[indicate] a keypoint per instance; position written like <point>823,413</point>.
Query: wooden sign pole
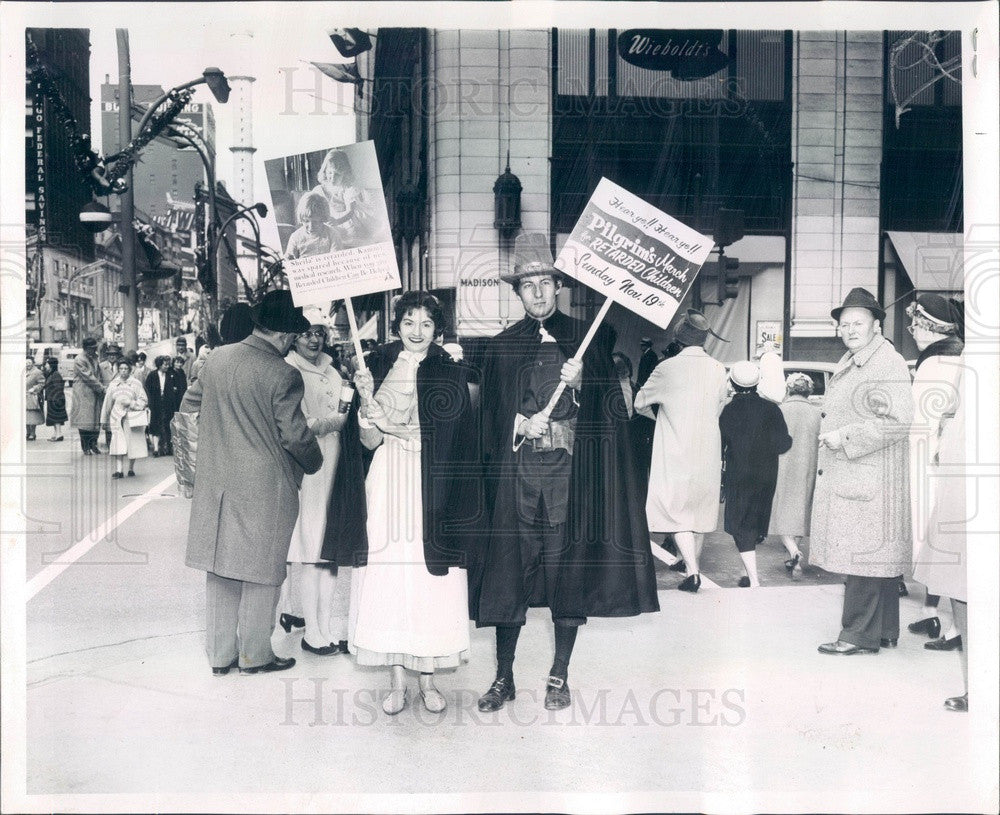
<point>353,322</point>
<point>579,354</point>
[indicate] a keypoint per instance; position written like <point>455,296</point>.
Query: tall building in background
<point>62,300</point>
<point>164,172</point>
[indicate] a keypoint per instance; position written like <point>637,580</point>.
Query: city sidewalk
<point>721,692</point>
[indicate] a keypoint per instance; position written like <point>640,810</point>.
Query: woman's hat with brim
<point>745,374</point>
<point>694,329</point>
<point>532,256</point>
<point>277,312</point>
<point>860,298</point>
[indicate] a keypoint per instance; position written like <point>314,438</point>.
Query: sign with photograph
<point>633,253</point>
<point>332,223</point>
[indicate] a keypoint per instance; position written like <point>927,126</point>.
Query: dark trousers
<point>541,550</point>
<point>88,439</point>
<point>871,610</point>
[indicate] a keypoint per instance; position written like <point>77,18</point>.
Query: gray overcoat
<point>253,448</point>
<point>861,503</point>
<point>88,393</point>
<point>793,494</point>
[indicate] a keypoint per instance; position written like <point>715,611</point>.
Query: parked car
<point>818,372</point>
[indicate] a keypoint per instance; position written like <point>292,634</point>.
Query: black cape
<point>450,469</point>
<point>754,434</point>
<point>607,567</point>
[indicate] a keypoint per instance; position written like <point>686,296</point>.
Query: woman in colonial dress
<point>409,604</point>
<point>124,413</point>
<point>54,394</point>
<point>325,591</point>
<point>34,381</point>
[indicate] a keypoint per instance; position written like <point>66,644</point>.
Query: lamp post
<point>243,212</point>
<point>213,77</point>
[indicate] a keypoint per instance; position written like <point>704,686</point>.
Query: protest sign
<point>633,253</point>
<point>333,226</point>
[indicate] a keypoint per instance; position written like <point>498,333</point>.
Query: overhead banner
<point>332,223</point>
<point>633,253</point>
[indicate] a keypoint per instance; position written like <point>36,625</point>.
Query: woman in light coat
<point>124,403</point>
<point>325,591</point>
<point>686,473</point>
<point>34,381</point>
<point>861,505</point>
<point>793,495</point>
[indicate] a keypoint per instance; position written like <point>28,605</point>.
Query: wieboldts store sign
<point>685,53</point>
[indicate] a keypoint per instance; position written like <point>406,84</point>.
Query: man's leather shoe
<point>941,644</point>
<point>501,691</point>
<point>556,693</point>
<point>844,648</point>
<point>931,626</point>
<point>691,583</point>
<point>323,650</point>
<point>888,642</point>
<point>276,664</point>
<point>225,669</point>
<point>959,704</point>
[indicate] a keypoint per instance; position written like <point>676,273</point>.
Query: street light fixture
<point>246,212</point>
<point>213,77</point>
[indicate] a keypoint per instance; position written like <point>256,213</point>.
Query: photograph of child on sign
<point>332,223</point>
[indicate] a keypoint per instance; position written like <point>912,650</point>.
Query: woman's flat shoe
<point>678,566</point>
<point>931,626</point>
<point>691,583</point>
<point>394,702</point>
<point>322,651</point>
<point>942,644</point>
<point>744,582</point>
<point>117,475</point>
<point>290,621</point>
<point>130,473</point>
<point>57,438</point>
<point>433,701</point>
<point>794,566</point>
<point>959,704</point>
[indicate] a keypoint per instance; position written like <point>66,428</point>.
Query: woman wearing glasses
<point>324,591</point>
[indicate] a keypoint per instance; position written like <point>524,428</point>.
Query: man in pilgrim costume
<point>567,530</point>
<point>861,503</point>
<point>253,449</point>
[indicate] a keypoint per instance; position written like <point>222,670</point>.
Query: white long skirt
<point>400,613</point>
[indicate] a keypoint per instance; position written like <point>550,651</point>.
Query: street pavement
<point>721,699</point>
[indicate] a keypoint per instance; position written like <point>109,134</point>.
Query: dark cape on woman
<point>450,469</point>
<point>54,394</point>
<point>754,434</point>
<point>606,569</point>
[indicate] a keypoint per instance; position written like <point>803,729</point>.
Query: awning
<point>934,261</point>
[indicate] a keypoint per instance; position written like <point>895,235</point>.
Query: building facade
<point>795,134</point>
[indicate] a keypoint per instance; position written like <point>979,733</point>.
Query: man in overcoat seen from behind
<point>253,449</point>
<point>567,530</point>
<point>861,503</point>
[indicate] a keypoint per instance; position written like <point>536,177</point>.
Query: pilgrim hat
<point>694,329</point>
<point>860,298</point>
<point>277,312</point>
<point>532,256</point>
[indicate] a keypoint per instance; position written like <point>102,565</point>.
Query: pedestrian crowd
<point>379,505</point>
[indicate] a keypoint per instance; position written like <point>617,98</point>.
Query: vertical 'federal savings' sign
<point>633,253</point>
<point>38,150</point>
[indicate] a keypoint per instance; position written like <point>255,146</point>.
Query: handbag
<point>137,418</point>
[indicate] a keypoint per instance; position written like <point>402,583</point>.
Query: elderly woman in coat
<point>34,381</point>
<point>685,479</point>
<point>793,494</point>
<point>861,505</point>
<point>88,393</point>
<point>124,414</point>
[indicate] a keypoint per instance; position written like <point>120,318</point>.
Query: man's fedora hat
<point>860,298</point>
<point>277,312</point>
<point>531,256</point>
<point>694,328</point>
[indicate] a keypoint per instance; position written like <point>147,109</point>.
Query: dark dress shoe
<point>959,704</point>
<point>844,648</point>
<point>744,582</point>
<point>941,644</point>
<point>130,473</point>
<point>691,583</point>
<point>276,664</point>
<point>556,693</point>
<point>931,626</point>
<point>344,647</point>
<point>117,475</point>
<point>323,650</point>
<point>290,621</point>
<point>500,692</point>
<point>679,566</point>
<point>888,642</point>
<point>225,669</point>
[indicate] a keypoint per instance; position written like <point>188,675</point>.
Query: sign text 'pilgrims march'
<point>633,253</point>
